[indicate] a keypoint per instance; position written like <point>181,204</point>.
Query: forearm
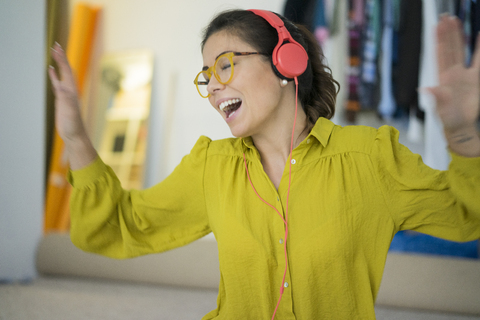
<point>80,152</point>
<point>465,142</point>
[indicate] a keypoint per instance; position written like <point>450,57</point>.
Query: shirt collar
<point>248,142</point>
<point>321,131</point>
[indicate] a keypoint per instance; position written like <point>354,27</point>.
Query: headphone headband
<point>289,58</point>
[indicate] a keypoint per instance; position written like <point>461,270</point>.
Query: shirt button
<point>285,284</point>
<point>293,161</point>
<point>278,199</point>
<point>308,140</point>
<point>280,241</point>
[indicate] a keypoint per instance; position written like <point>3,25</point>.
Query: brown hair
<point>317,89</point>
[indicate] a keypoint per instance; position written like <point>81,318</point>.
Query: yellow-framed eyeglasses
<point>222,69</point>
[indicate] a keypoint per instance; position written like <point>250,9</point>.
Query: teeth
<point>225,104</point>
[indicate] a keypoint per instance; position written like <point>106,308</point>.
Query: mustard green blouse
<point>352,189</point>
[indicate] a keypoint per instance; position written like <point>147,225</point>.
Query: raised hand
<point>458,92</point>
<point>68,120</point>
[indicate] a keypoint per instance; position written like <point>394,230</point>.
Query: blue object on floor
<point>414,242</point>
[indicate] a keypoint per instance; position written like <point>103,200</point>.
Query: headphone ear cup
<point>277,73</point>
<point>292,60</point>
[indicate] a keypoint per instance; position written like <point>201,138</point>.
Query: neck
<point>274,145</point>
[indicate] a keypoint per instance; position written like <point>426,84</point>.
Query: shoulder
<point>359,138</point>
<point>228,146</point>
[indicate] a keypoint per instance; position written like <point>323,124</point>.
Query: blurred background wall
<point>22,134</point>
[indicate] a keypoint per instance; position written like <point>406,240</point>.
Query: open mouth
<point>230,106</point>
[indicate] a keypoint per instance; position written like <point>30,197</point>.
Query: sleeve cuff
<point>87,175</point>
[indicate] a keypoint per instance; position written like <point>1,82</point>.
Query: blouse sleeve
<point>117,223</point>
<point>444,204</point>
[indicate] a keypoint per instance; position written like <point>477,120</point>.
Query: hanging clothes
<point>406,73</point>
<point>436,153</point>
<point>369,88</point>
<point>446,6</point>
<point>467,27</point>
<point>320,28</point>
<point>355,22</point>
<point>386,107</point>
<point>475,24</point>
<point>333,14</point>
<point>300,11</point>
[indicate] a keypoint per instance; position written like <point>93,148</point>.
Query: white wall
<point>22,118</point>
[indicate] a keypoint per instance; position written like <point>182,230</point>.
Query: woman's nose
<point>214,85</point>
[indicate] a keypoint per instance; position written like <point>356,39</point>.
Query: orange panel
<point>78,52</point>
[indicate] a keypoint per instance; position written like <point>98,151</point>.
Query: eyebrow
<point>206,67</point>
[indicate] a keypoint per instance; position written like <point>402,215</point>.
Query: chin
<point>239,133</point>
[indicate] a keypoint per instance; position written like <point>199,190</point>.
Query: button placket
<point>287,299</point>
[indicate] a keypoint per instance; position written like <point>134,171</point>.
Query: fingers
<point>441,95</point>
<point>450,43</point>
<point>65,72</point>
<point>53,76</point>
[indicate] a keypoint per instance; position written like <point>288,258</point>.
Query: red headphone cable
<point>285,221</point>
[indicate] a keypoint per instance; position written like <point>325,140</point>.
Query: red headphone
<point>289,58</point>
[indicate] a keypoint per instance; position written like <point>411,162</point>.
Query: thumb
<point>441,95</point>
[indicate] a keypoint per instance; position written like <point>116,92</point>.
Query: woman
<point>298,205</point>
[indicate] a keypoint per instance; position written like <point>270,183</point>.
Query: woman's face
<point>249,103</point>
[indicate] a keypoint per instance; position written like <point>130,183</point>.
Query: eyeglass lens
<point>224,71</point>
